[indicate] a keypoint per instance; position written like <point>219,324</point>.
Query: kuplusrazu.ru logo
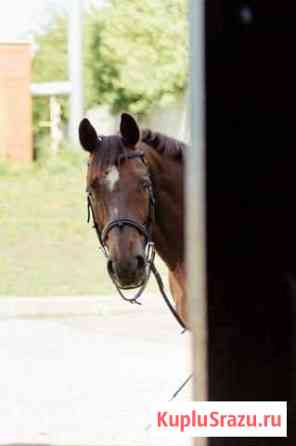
<point>223,419</point>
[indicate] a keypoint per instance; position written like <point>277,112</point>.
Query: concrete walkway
<point>85,371</point>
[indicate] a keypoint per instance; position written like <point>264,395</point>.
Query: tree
<point>145,42</point>
<point>136,55</point>
<point>49,64</point>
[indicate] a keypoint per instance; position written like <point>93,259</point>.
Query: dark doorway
<point>251,199</point>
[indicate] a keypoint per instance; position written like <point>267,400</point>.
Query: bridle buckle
<point>150,252</point>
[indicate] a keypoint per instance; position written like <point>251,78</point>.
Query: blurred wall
<point>172,121</point>
<point>15,101</point>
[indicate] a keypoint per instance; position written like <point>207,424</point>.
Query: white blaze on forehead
<point>112,177</point>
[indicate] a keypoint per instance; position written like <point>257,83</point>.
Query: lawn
<point>47,248</point>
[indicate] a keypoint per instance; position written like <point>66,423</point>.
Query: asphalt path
<point>92,379</point>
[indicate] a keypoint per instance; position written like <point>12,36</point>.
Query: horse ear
<point>87,135</point>
<point>129,129</point>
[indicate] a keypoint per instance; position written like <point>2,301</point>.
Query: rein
<point>144,230</point>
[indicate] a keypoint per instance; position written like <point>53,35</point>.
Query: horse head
<point>121,198</point>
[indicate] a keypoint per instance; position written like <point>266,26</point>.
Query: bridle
<point>146,231</point>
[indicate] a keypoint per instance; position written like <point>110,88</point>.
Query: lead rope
<point>148,427</point>
<point>165,297</point>
<point>179,320</point>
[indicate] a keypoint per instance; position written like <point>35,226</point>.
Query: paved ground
<point>88,380</point>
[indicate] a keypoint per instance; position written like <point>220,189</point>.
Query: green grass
<point>46,247</point>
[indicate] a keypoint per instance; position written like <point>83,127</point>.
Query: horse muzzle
<point>128,273</point>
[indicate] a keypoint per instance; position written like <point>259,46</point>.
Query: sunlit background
<point>21,20</point>
<point>133,57</point>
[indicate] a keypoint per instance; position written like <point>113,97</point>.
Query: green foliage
<point>49,64</point>
<point>136,56</point>
<point>145,41</point>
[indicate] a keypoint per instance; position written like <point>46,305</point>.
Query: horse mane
<point>164,145</point>
<point>111,149</point>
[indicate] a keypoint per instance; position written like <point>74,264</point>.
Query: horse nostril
<point>140,262</point>
<point>110,267</point>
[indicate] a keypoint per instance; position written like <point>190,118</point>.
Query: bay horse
<point>132,175</point>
